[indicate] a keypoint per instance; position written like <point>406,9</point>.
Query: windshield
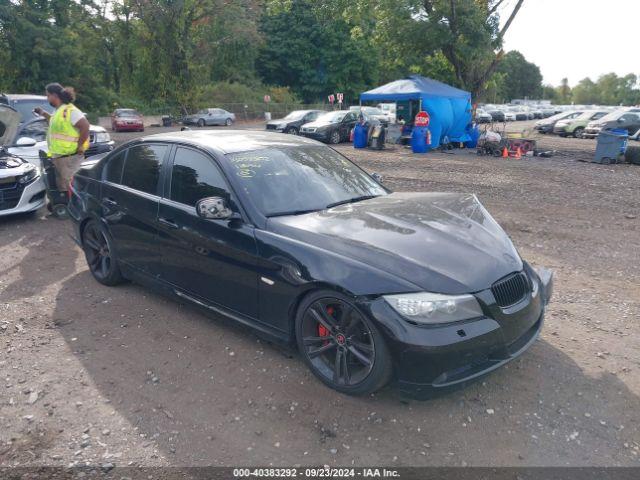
<point>332,117</point>
<point>290,180</point>
<point>25,108</point>
<point>372,111</point>
<point>127,113</point>
<point>612,116</point>
<point>296,115</point>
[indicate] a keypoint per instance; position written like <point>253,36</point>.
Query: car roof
<point>23,96</point>
<point>231,141</point>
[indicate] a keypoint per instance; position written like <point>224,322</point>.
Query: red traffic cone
<point>518,153</point>
<point>505,153</point>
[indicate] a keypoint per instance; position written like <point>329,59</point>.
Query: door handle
<point>168,223</point>
<point>109,202</point>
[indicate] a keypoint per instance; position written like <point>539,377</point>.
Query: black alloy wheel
<point>228,122</point>
<point>100,256</point>
<point>342,347</point>
<point>335,137</point>
<point>292,131</point>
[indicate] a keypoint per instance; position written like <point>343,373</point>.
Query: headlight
<point>31,172</point>
<point>103,137</point>
<point>431,308</point>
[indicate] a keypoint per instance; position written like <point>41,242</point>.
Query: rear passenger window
<point>194,177</point>
<point>142,168</point>
<point>113,168</point>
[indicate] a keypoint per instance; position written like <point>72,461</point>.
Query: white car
<point>22,188</point>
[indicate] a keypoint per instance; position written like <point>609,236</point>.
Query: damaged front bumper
<point>435,359</point>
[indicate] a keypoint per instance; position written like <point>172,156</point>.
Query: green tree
<point>586,92</point>
<point>314,51</point>
<point>521,78</point>
<point>564,92</point>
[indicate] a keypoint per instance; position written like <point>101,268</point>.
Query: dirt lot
<point>123,376</point>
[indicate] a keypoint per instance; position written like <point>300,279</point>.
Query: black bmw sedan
<point>287,236</point>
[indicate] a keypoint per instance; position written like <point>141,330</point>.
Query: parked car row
<point>589,123</point>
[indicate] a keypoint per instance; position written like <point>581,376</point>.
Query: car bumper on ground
<point>435,359</point>
<point>25,200</point>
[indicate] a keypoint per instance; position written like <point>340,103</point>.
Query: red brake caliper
<point>322,330</point>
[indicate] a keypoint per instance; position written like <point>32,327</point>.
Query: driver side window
<point>195,176</point>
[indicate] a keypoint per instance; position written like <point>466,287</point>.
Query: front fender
<point>290,268</point>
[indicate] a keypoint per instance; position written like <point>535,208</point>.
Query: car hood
<point>9,122</point>
<point>440,242</point>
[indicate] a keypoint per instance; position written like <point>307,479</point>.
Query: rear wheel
<point>228,122</point>
<point>101,258</point>
<point>335,137</point>
<point>578,132</point>
<point>292,131</point>
<point>341,346</point>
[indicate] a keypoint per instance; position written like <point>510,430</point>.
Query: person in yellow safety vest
<point>68,134</point>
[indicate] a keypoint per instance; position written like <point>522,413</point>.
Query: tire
<point>201,122</point>
<point>292,131</point>
<point>351,356</point>
<point>228,122</point>
<point>334,138</point>
<point>59,211</point>
<point>100,255</point>
<point>577,133</point>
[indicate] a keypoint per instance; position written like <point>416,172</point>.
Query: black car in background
<point>497,115</point>
<point>288,236</point>
<point>293,121</point>
<point>331,127</point>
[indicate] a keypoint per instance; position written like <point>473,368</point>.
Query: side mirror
<point>377,177</point>
<point>620,120</point>
<point>26,142</point>
<point>214,208</point>
<point>210,113</point>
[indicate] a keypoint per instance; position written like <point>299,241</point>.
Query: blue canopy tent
<point>448,107</point>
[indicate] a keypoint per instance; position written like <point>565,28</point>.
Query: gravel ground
<point>122,376</point>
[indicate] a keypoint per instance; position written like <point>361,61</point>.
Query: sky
<point>577,38</point>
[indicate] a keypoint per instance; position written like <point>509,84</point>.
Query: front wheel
<point>341,346</point>
<point>228,122</point>
<point>292,131</point>
<point>335,137</point>
<point>201,123</point>
<point>101,257</point>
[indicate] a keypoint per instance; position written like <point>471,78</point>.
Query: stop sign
<point>422,119</point>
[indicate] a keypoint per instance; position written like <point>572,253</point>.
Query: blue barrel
<point>622,132</point>
<point>360,134</point>
<point>610,147</point>
<point>419,140</point>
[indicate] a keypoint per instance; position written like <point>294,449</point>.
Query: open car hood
<point>9,122</point>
